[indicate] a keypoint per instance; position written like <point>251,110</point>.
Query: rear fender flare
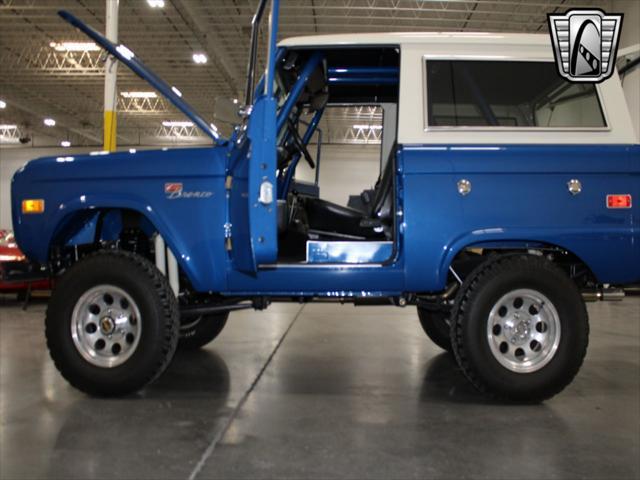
<point>500,238</point>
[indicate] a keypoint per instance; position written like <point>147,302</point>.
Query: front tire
<point>519,328</point>
<point>112,324</point>
<point>198,332</point>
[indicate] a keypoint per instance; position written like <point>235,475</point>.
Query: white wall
<point>344,170</point>
<point>630,35</point>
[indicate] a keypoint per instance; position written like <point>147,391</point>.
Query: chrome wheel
<point>523,330</point>
<point>105,326</point>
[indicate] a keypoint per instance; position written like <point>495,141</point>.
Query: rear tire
<point>519,328</point>
<point>198,332</point>
<point>112,324</point>
<point>437,327</point>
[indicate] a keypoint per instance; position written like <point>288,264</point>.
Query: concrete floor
<point>321,391</point>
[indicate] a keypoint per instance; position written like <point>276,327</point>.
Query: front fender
<point>190,217</point>
<point>182,227</point>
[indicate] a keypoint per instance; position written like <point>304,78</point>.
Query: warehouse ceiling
<point>40,78</point>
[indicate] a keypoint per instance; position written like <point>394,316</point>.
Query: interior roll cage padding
<point>300,144</point>
<point>481,101</point>
<point>311,129</point>
<point>364,75</point>
<point>126,56</point>
<point>297,89</point>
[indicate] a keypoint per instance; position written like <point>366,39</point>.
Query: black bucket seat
<point>372,222</point>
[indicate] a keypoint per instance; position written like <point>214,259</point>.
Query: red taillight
<point>619,201</point>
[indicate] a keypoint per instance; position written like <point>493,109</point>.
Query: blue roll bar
<point>311,129</point>
<point>295,92</point>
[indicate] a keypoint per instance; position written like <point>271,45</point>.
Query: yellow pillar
<point>111,71</point>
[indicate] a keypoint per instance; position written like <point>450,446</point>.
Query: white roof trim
<point>424,38</point>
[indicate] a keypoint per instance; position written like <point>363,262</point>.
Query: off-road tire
<point>470,316</point>
<point>437,327</point>
<point>199,332</point>
<point>159,317</point>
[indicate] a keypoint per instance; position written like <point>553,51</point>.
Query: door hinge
<point>228,182</point>
<point>227,237</point>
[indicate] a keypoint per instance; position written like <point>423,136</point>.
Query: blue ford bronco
<point>504,201</point>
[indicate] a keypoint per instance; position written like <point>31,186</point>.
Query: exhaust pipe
<point>603,294</point>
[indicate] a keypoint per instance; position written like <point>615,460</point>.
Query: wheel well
<point>86,231</point>
<point>470,257</point>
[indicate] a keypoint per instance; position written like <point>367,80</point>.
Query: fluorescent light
<point>176,91</point>
<point>64,159</point>
<point>139,94</point>
<point>8,127</point>
<point>368,127</point>
<point>175,123</point>
<point>199,58</point>
<point>3,104</point>
<point>65,143</point>
<point>235,101</point>
<point>49,122</point>
<point>74,46</point>
<point>156,3</point>
<point>125,52</point>
<point>132,150</point>
<point>99,152</point>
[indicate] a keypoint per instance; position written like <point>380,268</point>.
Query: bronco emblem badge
<point>175,190</point>
<point>585,43</point>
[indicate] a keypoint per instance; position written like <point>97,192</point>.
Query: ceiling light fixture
<point>139,94</point>
<point>49,122</point>
<point>8,127</point>
<point>65,143</point>
<point>199,58</point>
<point>3,104</point>
<point>74,46</point>
<point>156,3</point>
<point>175,123</point>
<point>368,127</point>
<point>176,91</point>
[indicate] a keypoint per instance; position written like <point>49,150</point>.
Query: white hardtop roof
<point>425,38</point>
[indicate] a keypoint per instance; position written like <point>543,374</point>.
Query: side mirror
<point>225,110</point>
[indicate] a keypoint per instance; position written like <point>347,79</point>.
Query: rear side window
<point>508,94</point>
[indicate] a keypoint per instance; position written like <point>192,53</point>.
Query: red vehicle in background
<point>17,274</point>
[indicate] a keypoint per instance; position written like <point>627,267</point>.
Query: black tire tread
<point>427,321</point>
<point>466,294</point>
<point>204,333</point>
<point>168,302</point>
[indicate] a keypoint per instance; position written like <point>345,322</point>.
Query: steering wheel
<point>299,144</point>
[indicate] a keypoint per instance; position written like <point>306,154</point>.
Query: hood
<point>165,163</point>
